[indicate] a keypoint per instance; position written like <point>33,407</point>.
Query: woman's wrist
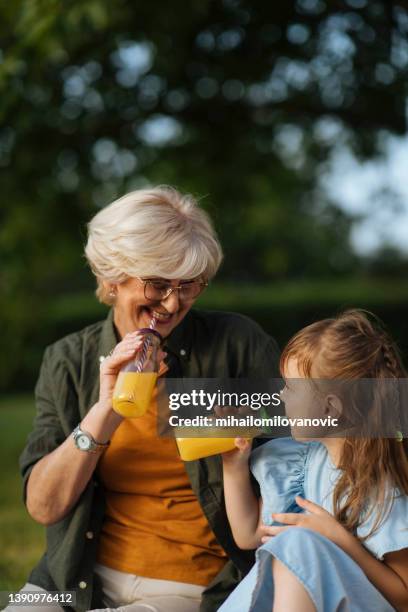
<point>101,421</point>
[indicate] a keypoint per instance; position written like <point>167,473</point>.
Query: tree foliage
<point>237,101</point>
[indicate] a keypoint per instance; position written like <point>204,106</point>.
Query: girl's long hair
<point>352,346</point>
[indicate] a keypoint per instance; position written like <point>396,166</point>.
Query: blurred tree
<point>234,101</point>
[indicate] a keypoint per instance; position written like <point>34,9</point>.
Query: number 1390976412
<point>33,598</point>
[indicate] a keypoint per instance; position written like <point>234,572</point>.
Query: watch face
<point>83,442</point>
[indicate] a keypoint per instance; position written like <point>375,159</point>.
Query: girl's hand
<point>238,456</point>
<point>317,519</point>
<point>123,352</point>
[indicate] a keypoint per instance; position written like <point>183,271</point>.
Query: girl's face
<point>297,403</point>
<point>302,401</point>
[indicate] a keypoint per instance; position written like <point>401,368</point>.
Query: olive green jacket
<point>205,344</point>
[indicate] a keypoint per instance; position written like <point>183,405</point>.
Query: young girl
<point>332,525</point>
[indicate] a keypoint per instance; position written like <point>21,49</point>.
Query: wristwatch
<point>85,442</point>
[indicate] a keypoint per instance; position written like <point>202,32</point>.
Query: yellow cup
<point>133,393</point>
<point>197,448</point>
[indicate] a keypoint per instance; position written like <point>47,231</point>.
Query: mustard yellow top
<point>154,526</point>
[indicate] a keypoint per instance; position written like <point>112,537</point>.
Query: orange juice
<point>133,393</point>
<point>197,448</point>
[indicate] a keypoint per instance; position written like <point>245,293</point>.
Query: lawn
<point>21,539</point>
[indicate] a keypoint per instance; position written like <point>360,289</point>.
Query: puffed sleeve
<point>279,468</point>
<point>392,533</point>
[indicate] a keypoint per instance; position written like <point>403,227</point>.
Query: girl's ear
<point>333,406</point>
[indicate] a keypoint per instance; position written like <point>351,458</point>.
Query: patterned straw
<point>145,346</point>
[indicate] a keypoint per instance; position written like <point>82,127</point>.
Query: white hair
<point>151,232</point>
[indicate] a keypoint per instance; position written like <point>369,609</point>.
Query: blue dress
<point>285,468</point>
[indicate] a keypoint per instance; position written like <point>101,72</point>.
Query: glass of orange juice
<point>136,381</point>
<point>133,393</point>
<point>219,440</point>
<point>197,448</point>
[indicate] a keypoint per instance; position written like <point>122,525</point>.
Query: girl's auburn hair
<point>356,345</point>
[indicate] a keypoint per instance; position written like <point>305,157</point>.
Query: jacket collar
<point>109,336</point>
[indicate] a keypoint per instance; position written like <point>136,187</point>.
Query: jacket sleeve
<point>49,431</point>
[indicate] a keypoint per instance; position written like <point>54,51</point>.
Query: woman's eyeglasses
<point>159,290</point>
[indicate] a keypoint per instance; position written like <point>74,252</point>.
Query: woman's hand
<point>238,456</point>
<point>123,352</point>
<point>317,519</point>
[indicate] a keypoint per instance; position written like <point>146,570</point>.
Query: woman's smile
<point>163,318</point>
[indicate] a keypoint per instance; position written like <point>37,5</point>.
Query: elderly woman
<point>130,526</point>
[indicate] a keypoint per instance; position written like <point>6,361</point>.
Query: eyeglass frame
<point>203,285</point>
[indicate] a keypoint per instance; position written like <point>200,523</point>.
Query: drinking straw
<point>145,346</point>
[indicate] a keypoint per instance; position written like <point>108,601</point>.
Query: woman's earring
<point>112,293</point>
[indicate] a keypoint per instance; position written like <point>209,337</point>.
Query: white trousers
<point>124,592</point>
<point>129,593</point>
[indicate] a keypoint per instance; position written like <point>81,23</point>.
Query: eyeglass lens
<point>155,291</point>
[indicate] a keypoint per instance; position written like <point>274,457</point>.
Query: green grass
<point>21,539</point>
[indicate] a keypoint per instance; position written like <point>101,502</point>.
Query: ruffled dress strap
<point>279,466</point>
